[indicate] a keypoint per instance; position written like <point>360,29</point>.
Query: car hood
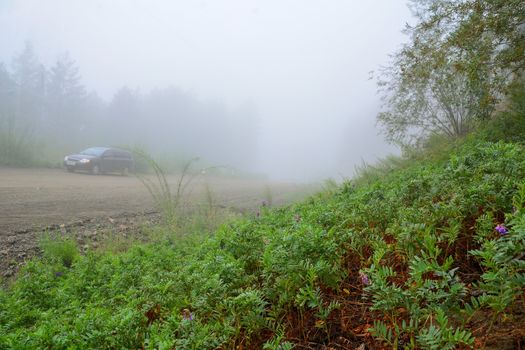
<point>80,156</point>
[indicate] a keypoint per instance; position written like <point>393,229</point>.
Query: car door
<point>107,161</point>
<point>127,161</point>
<point>120,163</point>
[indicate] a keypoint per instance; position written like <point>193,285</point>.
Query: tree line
<point>51,106</point>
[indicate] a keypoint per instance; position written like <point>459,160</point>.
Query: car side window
<point>121,154</point>
<point>124,155</point>
<point>109,153</point>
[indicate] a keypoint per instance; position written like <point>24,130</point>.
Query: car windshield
<point>94,151</point>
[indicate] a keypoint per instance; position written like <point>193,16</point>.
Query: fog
<point>291,77</point>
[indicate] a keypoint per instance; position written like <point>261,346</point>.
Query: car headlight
<point>84,161</point>
<point>65,158</point>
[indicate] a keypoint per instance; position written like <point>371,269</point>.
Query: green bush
<point>509,124</point>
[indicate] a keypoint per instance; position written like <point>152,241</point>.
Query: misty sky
<point>304,63</point>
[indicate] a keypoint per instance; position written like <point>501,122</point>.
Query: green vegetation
<point>59,250</point>
<point>412,259</point>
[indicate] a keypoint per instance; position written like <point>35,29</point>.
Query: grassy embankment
<point>420,253</point>
<point>412,259</point>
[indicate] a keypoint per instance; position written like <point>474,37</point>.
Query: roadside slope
<point>427,257</point>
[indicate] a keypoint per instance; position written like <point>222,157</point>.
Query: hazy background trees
<point>47,111</point>
<point>65,99</point>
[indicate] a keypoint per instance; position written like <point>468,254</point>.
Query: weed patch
<point>59,249</point>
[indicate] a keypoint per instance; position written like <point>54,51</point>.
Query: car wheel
<point>125,172</point>
<point>95,170</point>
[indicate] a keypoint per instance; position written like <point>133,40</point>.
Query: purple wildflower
<point>364,278</point>
<point>501,229</point>
<point>187,315</point>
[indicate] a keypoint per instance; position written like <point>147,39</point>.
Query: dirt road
<point>32,200</point>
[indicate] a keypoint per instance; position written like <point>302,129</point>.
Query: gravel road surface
<point>35,200</point>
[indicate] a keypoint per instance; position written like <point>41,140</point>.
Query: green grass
<point>17,147</point>
<point>59,249</point>
<point>408,259</point>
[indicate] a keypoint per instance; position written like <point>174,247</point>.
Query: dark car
<point>100,160</point>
